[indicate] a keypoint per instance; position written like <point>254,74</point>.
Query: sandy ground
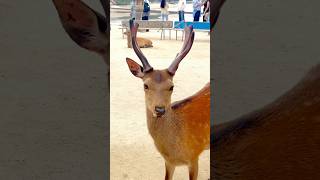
<point>133,155</point>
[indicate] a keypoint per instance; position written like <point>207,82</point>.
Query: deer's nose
<point>160,110</point>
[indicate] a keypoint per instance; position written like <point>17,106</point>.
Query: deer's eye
<point>146,86</point>
<point>171,88</point>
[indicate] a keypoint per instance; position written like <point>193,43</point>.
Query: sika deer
<point>279,141</point>
<point>180,130</point>
<point>142,42</point>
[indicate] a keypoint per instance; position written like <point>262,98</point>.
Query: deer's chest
<point>172,150</point>
<point>170,143</point>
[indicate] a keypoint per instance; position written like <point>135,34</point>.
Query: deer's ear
<point>85,26</point>
<point>135,68</point>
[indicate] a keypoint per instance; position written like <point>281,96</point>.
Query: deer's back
<point>194,113</point>
<point>280,141</point>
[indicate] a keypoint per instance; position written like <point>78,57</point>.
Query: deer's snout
<point>160,110</point>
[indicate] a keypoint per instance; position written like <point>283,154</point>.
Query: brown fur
<point>279,141</point>
<point>142,42</point>
<point>182,133</point>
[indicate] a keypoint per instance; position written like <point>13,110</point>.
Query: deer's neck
<point>163,126</point>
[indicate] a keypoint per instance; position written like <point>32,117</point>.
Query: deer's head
<point>158,84</point>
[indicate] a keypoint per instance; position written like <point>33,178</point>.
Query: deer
<point>142,42</point>
<point>278,141</point>
<point>180,130</point>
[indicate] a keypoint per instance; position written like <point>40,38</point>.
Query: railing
<point>168,25</point>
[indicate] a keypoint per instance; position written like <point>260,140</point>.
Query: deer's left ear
<point>135,68</point>
<point>85,26</point>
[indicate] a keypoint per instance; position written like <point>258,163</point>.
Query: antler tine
<point>187,44</point>
<point>133,29</point>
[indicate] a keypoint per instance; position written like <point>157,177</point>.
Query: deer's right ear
<point>135,68</point>
<point>85,26</point>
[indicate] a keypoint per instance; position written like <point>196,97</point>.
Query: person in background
<point>164,10</point>
<point>197,4</point>
<point>206,11</point>
<point>133,10</point>
<point>181,7</point>
<point>146,10</point>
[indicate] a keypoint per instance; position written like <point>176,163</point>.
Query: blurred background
<point>259,50</point>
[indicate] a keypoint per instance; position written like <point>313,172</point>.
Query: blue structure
<point>196,25</point>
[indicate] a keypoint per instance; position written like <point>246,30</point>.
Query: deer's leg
<point>169,171</point>
<point>193,170</point>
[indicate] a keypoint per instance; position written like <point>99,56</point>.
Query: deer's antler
<point>133,29</point>
<point>187,44</point>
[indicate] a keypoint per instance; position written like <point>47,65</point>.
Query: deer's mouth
<point>157,115</point>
